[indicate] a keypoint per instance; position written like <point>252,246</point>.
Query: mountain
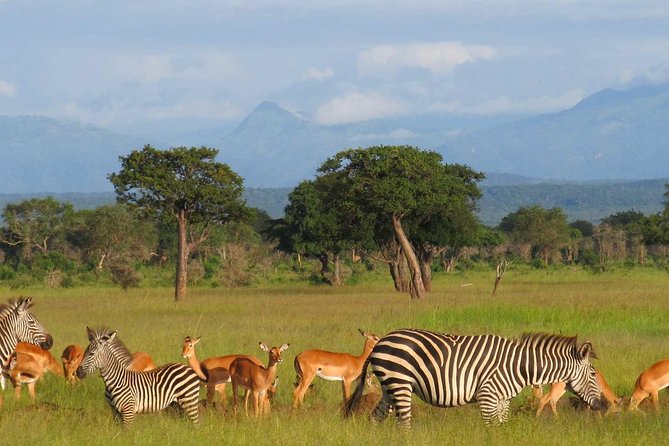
<point>274,147</point>
<point>609,135</point>
<point>45,155</point>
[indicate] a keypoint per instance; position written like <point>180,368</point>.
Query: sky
<point>131,64</point>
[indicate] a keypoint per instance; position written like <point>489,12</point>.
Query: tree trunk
<point>325,267</point>
<point>182,259</point>
<point>417,289</point>
<point>337,279</point>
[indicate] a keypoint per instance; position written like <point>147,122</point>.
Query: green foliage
<point>180,179</point>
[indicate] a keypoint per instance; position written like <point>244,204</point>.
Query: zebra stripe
<point>17,324</point>
<point>446,371</point>
<point>129,392</point>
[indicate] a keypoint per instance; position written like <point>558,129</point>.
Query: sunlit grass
<point>625,314</point>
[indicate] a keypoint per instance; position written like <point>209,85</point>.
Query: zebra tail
<point>353,403</point>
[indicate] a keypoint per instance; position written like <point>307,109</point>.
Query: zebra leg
<point>383,408</point>
<point>401,402</point>
<point>189,404</point>
<point>494,410</point>
<point>127,416</point>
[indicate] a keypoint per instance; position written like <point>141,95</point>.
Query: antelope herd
<point>24,362</point>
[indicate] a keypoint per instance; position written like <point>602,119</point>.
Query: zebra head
<point>94,357</point>
<point>26,327</point>
<point>584,380</point>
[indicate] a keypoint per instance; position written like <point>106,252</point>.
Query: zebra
<point>447,370</point>
<point>128,392</point>
<point>17,324</point>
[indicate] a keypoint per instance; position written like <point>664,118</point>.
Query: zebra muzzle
<point>48,343</point>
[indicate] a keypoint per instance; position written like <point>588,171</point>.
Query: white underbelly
<point>321,375</point>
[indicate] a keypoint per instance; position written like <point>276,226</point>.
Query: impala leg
<point>234,397</point>
<point>655,397</point>
<point>31,391</point>
<point>17,391</point>
<point>554,401</point>
<point>247,394</point>
<point>301,389</point>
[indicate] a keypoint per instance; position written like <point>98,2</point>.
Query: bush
<point>125,276</point>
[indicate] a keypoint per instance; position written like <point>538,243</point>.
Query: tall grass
<point>624,314</point>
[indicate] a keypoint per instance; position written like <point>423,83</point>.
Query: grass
<point>625,314</point>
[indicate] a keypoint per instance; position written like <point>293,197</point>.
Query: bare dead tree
<point>500,269</point>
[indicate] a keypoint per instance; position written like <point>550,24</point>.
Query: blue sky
<point>126,65</point>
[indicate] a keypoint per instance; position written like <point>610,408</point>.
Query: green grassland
<point>625,314</point>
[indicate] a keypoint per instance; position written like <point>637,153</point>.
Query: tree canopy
<point>186,183</point>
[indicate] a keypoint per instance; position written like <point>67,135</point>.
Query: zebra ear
<point>110,337</point>
<point>586,351</point>
<point>90,333</point>
<point>24,304</point>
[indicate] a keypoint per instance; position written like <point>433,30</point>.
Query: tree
<point>314,225</point>
<point>395,185</point>
<point>188,184</point>
<point>544,230</point>
<point>113,233</point>
<point>35,224</point>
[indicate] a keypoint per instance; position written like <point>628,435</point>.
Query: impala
<point>558,389</point>
<point>256,378</point>
<point>330,366</point>
<point>73,354</point>
<point>649,383</point>
<point>214,371</point>
<point>71,357</point>
<point>141,362</point>
<point>27,365</point>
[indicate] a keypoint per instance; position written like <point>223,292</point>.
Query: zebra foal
<point>446,371</point>
<point>129,392</point>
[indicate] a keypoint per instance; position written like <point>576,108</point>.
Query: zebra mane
<point>118,348</point>
<point>536,339</point>
<point>13,304</point>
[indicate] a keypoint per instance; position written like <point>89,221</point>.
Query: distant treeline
<point>579,201</point>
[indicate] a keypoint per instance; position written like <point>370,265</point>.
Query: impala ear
<point>362,332</point>
<point>586,351</point>
<point>197,340</point>
<point>263,346</point>
<point>283,347</point>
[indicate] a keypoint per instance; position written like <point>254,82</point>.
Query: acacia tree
<point>35,224</point>
<point>394,184</point>
<point>188,184</point>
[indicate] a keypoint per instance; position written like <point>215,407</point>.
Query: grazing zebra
<point>17,324</point>
<point>446,371</point>
<point>129,392</point>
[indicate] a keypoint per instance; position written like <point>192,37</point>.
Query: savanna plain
<point>624,313</point>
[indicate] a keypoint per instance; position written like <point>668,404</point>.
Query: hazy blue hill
<point>589,201</point>
<point>611,134</point>
<point>42,154</point>
<point>504,194</point>
<point>274,147</point>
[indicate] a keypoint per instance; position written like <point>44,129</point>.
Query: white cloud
<point>400,135</point>
<point>204,65</point>
<point>439,57</point>
<point>357,107</point>
<point>7,89</point>
<point>314,73</point>
<point>502,104</point>
<point>196,108</point>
